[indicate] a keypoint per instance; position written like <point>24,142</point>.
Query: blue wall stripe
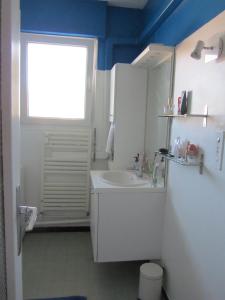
<point>155,16</point>
<point>87,18</point>
<point>189,16</point>
<point>122,33</point>
<point>74,17</point>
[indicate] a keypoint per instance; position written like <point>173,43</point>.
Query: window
<point>56,81</point>
<point>57,72</point>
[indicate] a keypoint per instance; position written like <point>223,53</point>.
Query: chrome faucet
<point>139,171</point>
<point>155,173</point>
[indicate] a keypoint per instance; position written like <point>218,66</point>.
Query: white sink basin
<point>123,178</point>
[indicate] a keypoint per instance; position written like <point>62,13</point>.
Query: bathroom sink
<point>123,178</point>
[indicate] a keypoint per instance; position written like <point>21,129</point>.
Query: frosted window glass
<point>56,81</point>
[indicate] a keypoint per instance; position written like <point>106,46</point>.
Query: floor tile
<point>61,264</point>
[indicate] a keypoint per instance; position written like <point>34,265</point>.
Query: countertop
<point>99,185</point>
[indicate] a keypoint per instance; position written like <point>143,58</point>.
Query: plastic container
<point>150,284</point>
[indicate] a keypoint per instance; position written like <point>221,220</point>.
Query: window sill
<point>54,121</point>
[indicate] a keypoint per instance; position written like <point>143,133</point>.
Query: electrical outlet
<point>220,149</point>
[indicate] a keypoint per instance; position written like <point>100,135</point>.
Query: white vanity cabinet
<point>94,222</point>
<point>126,225</point>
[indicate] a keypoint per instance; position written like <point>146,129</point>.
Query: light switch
<point>220,149</point>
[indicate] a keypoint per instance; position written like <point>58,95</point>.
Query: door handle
<point>24,214</point>
<point>21,226</point>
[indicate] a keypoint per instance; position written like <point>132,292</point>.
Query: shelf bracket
<point>201,164</point>
<point>205,118</point>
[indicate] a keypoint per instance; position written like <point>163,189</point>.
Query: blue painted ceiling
<point>122,32</point>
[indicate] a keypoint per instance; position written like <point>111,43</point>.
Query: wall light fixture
<point>212,52</point>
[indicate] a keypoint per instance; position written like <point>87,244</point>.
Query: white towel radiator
<point>65,176</point>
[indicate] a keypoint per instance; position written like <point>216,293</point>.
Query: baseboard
<point>63,223</point>
<point>61,229</point>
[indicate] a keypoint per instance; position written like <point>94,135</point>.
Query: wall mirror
<point>159,61</point>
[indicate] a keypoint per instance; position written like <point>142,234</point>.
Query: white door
<point>10,81</point>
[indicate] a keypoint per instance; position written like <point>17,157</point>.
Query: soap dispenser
<point>136,161</point>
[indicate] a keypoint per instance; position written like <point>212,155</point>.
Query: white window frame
<point>89,44</point>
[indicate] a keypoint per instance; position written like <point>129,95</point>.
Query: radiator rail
<point>65,171</point>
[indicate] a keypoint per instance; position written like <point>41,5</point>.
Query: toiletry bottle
<point>183,148</point>
<point>179,105</point>
<point>150,167</point>
<point>183,103</point>
<point>142,161</point>
<point>189,101</point>
<point>176,149</point>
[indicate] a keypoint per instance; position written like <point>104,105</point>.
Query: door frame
<point>10,97</point>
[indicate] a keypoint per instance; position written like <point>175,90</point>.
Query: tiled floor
<point>60,264</point>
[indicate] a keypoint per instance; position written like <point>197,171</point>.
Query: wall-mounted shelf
<point>204,116</point>
<point>183,116</point>
<point>153,55</point>
<point>186,163</point>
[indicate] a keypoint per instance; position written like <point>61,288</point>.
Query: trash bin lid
<point>151,271</point>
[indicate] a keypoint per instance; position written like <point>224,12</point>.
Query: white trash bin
<point>150,283</point>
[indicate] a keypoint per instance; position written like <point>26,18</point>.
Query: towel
<point>110,140</point>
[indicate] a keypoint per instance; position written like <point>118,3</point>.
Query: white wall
<point>194,233</point>
<point>32,137</point>
<point>158,94</point>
